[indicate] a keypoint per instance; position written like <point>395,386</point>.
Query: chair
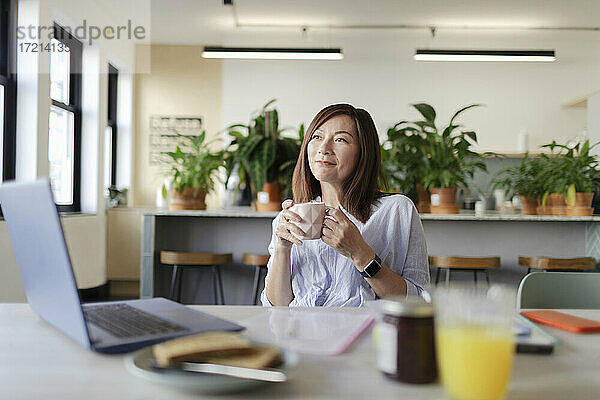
<point>558,264</point>
<point>259,262</point>
<point>184,260</point>
<point>474,264</point>
<point>559,290</point>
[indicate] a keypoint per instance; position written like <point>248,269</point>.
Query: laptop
<point>43,259</point>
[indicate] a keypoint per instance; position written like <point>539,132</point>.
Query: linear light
<point>272,53</point>
<point>485,55</point>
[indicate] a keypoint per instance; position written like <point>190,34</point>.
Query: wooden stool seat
<point>259,262</point>
<point>474,264</point>
<point>558,264</point>
<point>181,260</point>
<point>194,259</point>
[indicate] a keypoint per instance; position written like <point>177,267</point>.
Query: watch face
<point>372,268</point>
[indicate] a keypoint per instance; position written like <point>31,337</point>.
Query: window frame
<point>113,85</point>
<point>74,106</point>
<point>8,78</point>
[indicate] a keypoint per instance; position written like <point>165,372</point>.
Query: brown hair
<point>362,188</point>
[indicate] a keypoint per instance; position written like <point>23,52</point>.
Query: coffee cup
<point>312,215</point>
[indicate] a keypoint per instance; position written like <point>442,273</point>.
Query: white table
<point>37,361</point>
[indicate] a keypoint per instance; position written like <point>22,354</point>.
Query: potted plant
<point>575,174</point>
<point>402,157</point>
<point>264,157</point>
<point>522,180</point>
<point>193,172</point>
<point>446,158</point>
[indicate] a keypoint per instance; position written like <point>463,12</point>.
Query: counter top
<point>233,212</point>
<point>464,215</point>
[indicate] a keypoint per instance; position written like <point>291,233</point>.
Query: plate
<point>141,364</point>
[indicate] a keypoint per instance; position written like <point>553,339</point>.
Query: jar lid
<point>411,306</point>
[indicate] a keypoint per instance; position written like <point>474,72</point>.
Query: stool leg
<point>447,276</point>
<point>255,285</point>
<point>214,281</point>
<point>220,284</point>
<point>487,277</point>
<point>173,282</point>
<point>180,284</point>
<point>437,276</point>
<point>475,277</point>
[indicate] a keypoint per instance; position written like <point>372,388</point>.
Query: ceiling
<point>211,22</point>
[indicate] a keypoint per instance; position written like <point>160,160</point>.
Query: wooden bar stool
<point>474,264</point>
<point>182,260</point>
<point>558,264</point>
<point>259,262</point>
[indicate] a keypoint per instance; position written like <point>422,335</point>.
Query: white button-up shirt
<point>323,277</point>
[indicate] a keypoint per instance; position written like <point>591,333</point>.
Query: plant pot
<point>269,199</point>
<point>583,199</point>
<point>424,203</point>
<point>555,200</point>
<point>445,209</point>
<point>529,205</point>
<point>190,199</point>
<point>443,201</point>
<point>443,196</point>
<point>579,211</point>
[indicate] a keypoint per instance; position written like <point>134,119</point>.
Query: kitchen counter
<point>464,215</point>
<point>240,230</point>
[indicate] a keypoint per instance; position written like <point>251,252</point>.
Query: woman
<point>372,244</point>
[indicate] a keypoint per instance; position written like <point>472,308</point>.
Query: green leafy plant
<point>523,179</point>
<point>403,156</point>
<point>194,165</point>
<point>261,153</point>
<point>437,157</point>
<point>573,169</point>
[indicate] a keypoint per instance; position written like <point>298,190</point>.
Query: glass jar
<point>406,341</point>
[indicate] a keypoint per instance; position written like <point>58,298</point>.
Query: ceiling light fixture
<point>485,55</point>
<point>272,53</point>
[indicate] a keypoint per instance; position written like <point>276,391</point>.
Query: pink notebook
<point>309,331</point>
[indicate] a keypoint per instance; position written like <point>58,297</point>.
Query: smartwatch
<point>372,268</point>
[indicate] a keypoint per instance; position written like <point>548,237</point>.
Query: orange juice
<point>474,361</point>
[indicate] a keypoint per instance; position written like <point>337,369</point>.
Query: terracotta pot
<point>579,211</point>
<point>269,198</point>
<point>540,211</point>
<point>424,203</point>
<point>190,199</point>
<point>445,209</point>
<point>555,200</point>
<point>446,195</point>
<point>583,199</point>
<point>529,205</point>
<point>559,210</point>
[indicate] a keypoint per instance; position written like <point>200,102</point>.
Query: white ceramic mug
<point>312,215</point>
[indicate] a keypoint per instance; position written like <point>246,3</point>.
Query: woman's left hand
<point>345,238</point>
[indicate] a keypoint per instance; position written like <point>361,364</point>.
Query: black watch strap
<point>372,268</point>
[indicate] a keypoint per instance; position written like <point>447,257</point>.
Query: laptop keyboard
<point>123,320</point>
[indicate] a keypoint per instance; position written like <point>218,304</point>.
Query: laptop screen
<point>42,257</point>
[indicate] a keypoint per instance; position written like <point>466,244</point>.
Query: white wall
<point>85,234</point>
<point>379,74</point>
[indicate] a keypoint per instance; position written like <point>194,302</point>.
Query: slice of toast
<point>197,348</point>
<point>261,356</point>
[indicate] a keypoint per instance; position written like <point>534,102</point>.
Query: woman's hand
<point>287,231</point>
<point>345,238</point>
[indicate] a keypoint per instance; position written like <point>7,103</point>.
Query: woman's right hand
<point>287,231</point>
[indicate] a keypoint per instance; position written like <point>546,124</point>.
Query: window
<point>64,127</point>
<point>113,79</point>
<point>8,88</point>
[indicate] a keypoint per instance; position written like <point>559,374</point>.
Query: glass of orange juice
<point>474,340</point>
